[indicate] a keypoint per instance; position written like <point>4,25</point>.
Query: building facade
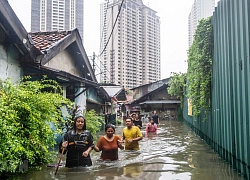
<point>130,43</point>
<point>52,15</point>
<point>200,9</point>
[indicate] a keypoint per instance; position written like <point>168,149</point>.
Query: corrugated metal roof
<point>162,102</point>
<point>112,90</point>
<point>115,91</point>
<point>156,83</point>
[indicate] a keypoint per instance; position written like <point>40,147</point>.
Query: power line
<point>105,17</point>
<point>106,70</point>
<point>112,28</point>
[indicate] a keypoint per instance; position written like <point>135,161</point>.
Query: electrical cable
<point>106,70</point>
<point>112,28</point>
<point>104,21</point>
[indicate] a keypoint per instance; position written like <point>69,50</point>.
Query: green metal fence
<point>227,128</point>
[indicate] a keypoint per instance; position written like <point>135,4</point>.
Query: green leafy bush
<point>177,85</point>
<point>200,67</point>
<point>93,121</point>
<point>118,122</point>
<point>26,113</point>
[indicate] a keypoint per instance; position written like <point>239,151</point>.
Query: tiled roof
<point>44,40</point>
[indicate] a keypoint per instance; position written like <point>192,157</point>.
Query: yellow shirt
<point>129,134</point>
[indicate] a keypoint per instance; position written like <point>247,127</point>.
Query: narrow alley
<point>175,153</point>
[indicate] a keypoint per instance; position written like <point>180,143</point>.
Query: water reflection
<point>174,153</point>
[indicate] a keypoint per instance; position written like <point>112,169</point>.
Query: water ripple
<point>174,153</point>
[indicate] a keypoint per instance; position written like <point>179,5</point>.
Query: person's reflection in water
<point>109,173</point>
<point>132,171</point>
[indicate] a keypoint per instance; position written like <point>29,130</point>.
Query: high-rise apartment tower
<point>130,43</point>
<point>200,9</point>
<point>52,15</point>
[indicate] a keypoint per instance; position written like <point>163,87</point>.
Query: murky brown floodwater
<point>176,153</point>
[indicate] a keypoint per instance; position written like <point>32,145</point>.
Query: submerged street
<point>175,153</point>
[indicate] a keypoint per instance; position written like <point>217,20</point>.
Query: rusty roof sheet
<point>45,40</point>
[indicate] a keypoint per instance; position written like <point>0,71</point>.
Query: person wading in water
<point>77,143</point>
<point>109,144</point>
<point>131,135</point>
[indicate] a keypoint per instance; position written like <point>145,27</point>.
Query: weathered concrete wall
<point>64,62</point>
<point>93,101</point>
<point>9,64</point>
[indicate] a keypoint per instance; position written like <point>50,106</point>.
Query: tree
<point>177,85</point>
<point>200,67</point>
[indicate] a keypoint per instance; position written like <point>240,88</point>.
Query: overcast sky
<point>174,29</point>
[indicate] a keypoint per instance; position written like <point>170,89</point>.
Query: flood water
<point>175,153</point>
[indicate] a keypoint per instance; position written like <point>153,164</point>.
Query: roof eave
<point>15,30</point>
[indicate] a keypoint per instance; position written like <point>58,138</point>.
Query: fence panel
<point>227,128</point>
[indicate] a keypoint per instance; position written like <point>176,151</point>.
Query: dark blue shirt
<point>155,118</point>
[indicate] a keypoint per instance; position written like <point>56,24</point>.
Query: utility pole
<point>93,65</point>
